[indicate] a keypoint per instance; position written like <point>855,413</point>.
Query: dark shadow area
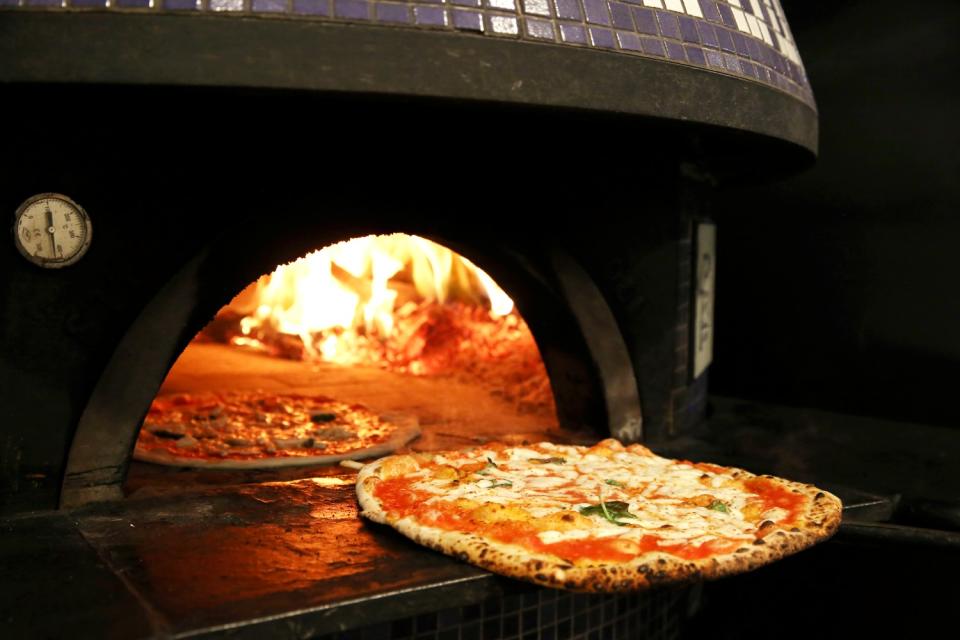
<point>837,288</point>
<point>836,590</point>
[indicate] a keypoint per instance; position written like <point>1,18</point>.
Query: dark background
<point>838,288</point>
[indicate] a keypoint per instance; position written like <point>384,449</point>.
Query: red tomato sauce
<point>398,497</point>
<point>596,549</point>
<point>774,495</point>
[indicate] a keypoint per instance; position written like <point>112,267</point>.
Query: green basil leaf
<point>505,483</point>
<point>716,505</point>
<point>616,483</point>
<point>612,510</point>
<point>490,465</point>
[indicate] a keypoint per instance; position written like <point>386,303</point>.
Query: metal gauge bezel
<point>52,263</point>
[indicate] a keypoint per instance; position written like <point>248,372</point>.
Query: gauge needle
<point>50,230</point>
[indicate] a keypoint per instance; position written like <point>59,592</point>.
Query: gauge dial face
<point>51,230</point>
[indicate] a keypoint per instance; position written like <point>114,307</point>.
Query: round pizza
<point>604,518</point>
<point>256,429</point>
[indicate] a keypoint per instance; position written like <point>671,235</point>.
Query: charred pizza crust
<point>818,520</point>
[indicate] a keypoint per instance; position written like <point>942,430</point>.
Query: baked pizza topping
<point>583,506</point>
<point>246,427</point>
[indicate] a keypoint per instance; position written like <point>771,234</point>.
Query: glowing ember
<point>400,302</point>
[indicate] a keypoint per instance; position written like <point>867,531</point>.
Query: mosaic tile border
<point>749,39</point>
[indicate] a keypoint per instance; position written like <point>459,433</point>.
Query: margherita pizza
<point>604,518</point>
<point>252,430</point>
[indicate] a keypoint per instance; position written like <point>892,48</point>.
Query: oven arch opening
<point>585,358</point>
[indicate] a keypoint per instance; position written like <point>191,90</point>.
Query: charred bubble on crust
<point>795,530</point>
<point>759,541</point>
<point>820,495</point>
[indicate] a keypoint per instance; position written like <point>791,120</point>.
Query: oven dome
<point>726,63</point>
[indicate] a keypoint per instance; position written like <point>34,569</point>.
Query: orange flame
<point>340,297</point>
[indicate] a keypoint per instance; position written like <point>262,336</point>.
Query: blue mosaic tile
<point>431,16</point>
<point>468,20</point>
<point>695,55</point>
<point>652,46</point>
<point>629,41</point>
<point>714,59</point>
<point>725,38</point>
<point>601,38</point>
<point>397,13</point>
<point>620,16</point>
<point>646,22</point>
<point>312,7</point>
<point>753,47</point>
<point>268,6</point>
<point>745,38</point>
<point>181,5</point>
<point>596,11</point>
<point>356,9</point>
<point>573,33</point>
<point>669,27</point>
<point>688,30</point>
<point>675,51</point>
<point>569,9</point>
<point>731,63</point>
<point>740,43</point>
<point>708,35</point>
<point>710,11</point>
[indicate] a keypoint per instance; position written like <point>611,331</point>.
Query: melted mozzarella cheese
<point>663,497</point>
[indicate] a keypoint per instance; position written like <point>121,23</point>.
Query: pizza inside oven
<point>257,429</point>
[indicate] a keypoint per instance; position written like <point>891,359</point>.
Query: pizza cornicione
<point>261,429</point>
<point>604,518</point>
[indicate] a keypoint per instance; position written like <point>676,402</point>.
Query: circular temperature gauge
<point>52,231</point>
